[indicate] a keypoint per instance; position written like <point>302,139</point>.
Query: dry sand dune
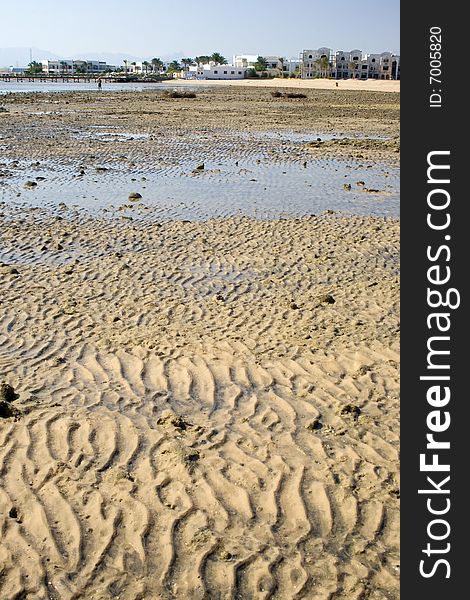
<point>207,409</point>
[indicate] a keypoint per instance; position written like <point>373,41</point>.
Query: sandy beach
<point>197,408</point>
<point>368,85</point>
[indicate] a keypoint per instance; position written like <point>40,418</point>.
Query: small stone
<point>346,186</point>
<point>314,425</point>
<point>8,270</point>
<point>13,513</point>
<point>7,392</point>
<point>134,196</point>
<point>199,167</point>
<point>326,299</point>
<point>350,410</point>
<point>30,184</point>
<point>360,183</point>
<point>7,410</point>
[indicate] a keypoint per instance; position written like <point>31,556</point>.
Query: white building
<point>316,63</point>
<point>350,64</point>
<point>223,72</point>
<point>245,60</point>
<point>275,64</point>
<point>72,67</point>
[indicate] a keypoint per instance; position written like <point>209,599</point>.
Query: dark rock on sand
<point>7,270</point>
<point>30,184</point>
<point>134,196</point>
<point>7,393</point>
<point>175,420</point>
<point>314,425</point>
<point>7,410</point>
<point>350,410</point>
<point>326,299</point>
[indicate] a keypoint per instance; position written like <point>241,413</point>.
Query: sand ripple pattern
<point>189,431</point>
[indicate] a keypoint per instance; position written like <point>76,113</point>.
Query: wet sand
<point>207,409</point>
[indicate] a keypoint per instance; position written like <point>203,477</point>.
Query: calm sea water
<point>36,86</point>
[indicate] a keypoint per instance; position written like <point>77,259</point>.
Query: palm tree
<point>281,62</point>
<point>353,67</point>
<point>203,59</point>
<point>157,64</point>
<point>125,61</point>
<point>187,62</point>
<point>63,66</point>
<point>146,64</point>
<point>218,59</point>
<point>324,66</point>
<point>174,66</point>
<point>261,64</point>
<point>34,68</point>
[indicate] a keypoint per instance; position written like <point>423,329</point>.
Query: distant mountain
<point>21,56</point>
<point>112,58</point>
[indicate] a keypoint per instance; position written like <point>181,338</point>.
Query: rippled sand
<point>206,409</point>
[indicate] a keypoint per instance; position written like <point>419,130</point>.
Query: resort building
<point>350,64</point>
<point>223,72</point>
<point>245,60</point>
<point>275,64</point>
<point>316,63</point>
<point>73,67</point>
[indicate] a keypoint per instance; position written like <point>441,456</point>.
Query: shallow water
<point>173,189</point>
<point>46,87</point>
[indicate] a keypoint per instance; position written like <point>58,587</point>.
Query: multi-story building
<point>351,64</point>
<point>348,65</point>
<point>316,63</point>
<point>72,67</point>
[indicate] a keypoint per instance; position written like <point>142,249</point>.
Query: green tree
<point>218,58</point>
<point>203,59</point>
<point>324,66</point>
<point>261,64</point>
<point>34,68</point>
<point>187,62</point>
<point>174,66</point>
<point>146,64</point>
<point>157,65</point>
<point>353,67</point>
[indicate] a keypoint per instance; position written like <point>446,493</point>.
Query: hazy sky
<point>150,28</point>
